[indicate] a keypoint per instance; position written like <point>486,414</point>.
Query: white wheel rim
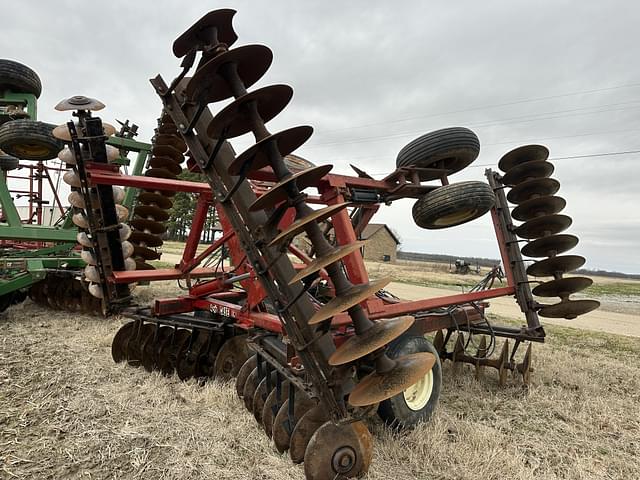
<point>418,394</point>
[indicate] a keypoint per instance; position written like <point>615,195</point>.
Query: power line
<point>484,107</point>
<point>527,141</point>
<point>570,157</point>
<point>512,120</point>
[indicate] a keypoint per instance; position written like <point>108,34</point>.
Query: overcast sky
<point>372,76</point>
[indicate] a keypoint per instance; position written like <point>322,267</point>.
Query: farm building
<point>382,243</point>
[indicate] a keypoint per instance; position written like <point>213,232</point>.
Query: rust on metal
<point>347,299</point>
<point>377,336</point>
<point>278,193</point>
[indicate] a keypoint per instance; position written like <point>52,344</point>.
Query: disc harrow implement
<point>315,345</point>
<point>322,375</point>
<point>191,347</point>
<point>152,209</point>
<point>528,172</point>
<point>97,210</point>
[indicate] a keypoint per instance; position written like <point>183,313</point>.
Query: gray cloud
<point>391,71</point>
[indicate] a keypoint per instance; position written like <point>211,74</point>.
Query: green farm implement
<point>38,239</point>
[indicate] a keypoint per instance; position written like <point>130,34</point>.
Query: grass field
<point>67,411</point>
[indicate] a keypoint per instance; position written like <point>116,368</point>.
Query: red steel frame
<point>213,295</point>
<point>38,171</point>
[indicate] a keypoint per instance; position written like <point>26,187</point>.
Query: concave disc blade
<point>346,300</point>
<point>167,358</point>
<point>209,85</point>
<point>304,430</point>
<point>80,102</point>
<point>245,370</point>
<point>562,287</point>
<point>150,349</point>
<point>237,118</point>
<point>71,178</point>
<point>148,226</point>
<point>379,386</point>
<point>287,141</point>
<point>120,340</point>
<point>249,390</point>
<point>188,358</point>
<point>168,128</point>
<point>151,198</point>
<point>172,140</point>
<point>568,309</point>
<point>260,396</point>
<point>61,132</point>
<point>67,156</point>
<point>75,199</point>
<point>283,426</point>
<point>145,253</point>
<point>300,224</point>
<point>233,353</point>
<point>527,171</point>
<point>296,163</point>
<point>319,263</point>
<point>338,451</point>
<point>549,246</point>
<point>151,212</point>
<point>167,164</point>
<point>220,19</point>
<point>136,341</point>
<point>539,187</point>
<point>278,192</point>
<point>555,265</point>
<point>272,405</point>
<point>526,153</point>
<point>380,334</point>
<point>160,173</point>
<point>168,151</point>
<point>145,239</point>
<point>543,226</point>
<point>537,207</point>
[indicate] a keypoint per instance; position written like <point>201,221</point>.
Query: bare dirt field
<point>67,411</point>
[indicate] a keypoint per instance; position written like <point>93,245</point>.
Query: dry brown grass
<point>66,411</point>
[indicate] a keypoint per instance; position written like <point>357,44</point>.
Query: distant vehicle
<point>463,267</point>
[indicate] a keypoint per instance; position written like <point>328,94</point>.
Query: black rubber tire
<point>7,162</point>
<point>453,204</point>
<point>29,140</point>
<point>451,148</point>
<point>19,78</point>
<point>395,412</point>
<point>6,301</point>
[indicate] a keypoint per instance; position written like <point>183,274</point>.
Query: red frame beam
<point>332,188</point>
<point>147,183</point>
<point>160,274</point>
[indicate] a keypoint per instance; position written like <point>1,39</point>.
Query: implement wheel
<point>29,140</point>
<point>6,301</point>
<point>449,149</point>
<point>19,78</point>
<point>452,205</point>
<point>416,403</point>
<point>7,162</point>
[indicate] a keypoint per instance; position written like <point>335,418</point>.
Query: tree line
<point>183,211</point>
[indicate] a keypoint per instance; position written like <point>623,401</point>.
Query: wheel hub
<point>344,459</point>
<point>418,394</point>
<point>457,217</point>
